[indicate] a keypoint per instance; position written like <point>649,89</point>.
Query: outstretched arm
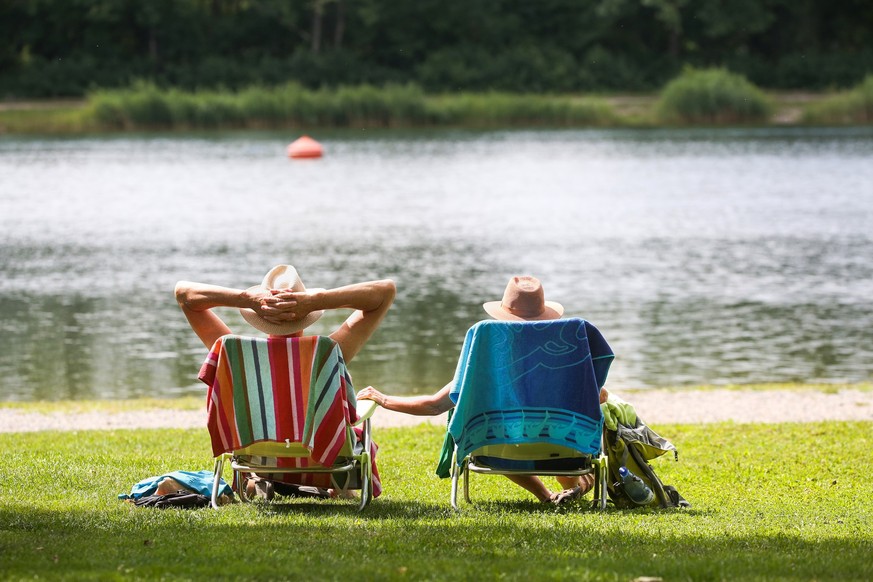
<point>430,405</point>
<point>198,299</point>
<point>370,300</point>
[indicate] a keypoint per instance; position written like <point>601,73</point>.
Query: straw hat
<point>281,277</point>
<point>524,300</point>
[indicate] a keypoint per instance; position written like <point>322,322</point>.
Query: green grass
<point>769,502</point>
<point>145,106</point>
<point>850,107</point>
<point>59,119</point>
<point>712,97</point>
<point>708,101</point>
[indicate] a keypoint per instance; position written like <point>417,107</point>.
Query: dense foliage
<point>66,47</point>
<point>712,96</point>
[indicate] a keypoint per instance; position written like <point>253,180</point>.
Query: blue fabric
<point>199,481</point>
<point>523,382</point>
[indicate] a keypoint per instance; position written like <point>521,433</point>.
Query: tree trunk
<point>317,18</point>
<point>340,29</point>
<point>153,44</point>
<point>674,44</point>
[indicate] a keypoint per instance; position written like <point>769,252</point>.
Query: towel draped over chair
<point>284,390</point>
<point>519,382</point>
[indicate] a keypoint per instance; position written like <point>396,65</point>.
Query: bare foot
<point>568,495</point>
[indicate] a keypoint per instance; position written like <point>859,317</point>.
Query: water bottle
<point>635,487</point>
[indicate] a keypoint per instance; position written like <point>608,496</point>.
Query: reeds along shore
<point>697,97</point>
<point>850,107</point>
<point>290,105</point>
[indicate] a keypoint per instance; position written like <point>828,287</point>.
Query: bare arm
<point>197,300</point>
<point>429,405</point>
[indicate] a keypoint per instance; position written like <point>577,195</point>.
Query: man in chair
<point>281,306</point>
<point>523,300</point>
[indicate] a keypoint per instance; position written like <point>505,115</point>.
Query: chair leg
<point>599,501</point>
<point>366,466</point>
<point>366,480</point>
<point>456,472</point>
<point>216,479</point>
<point>467,481</point>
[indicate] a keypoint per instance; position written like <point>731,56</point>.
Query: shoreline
<point>655,407</point>
<point>632,110</point>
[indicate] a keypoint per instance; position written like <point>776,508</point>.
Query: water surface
<point>704,256</point>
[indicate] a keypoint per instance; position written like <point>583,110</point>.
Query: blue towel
<point>199,481</point>
<point>522,382</point>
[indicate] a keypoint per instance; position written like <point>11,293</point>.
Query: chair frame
<point>596,464</point>
<point>347,461</point>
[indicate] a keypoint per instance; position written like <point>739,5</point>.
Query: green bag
<point>632,447</point>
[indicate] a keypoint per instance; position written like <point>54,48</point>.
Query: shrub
<point>712,96</point>
<point>855,106</point>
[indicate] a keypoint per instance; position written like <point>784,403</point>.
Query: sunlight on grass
<point>769,502</point>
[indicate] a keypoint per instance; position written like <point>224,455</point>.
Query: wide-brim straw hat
<point>281,277</point>
<point>524,300</point>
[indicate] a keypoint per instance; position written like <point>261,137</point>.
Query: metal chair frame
<point>596,464</point>
<point>347,461</point>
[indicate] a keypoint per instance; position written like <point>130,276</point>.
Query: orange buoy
<point>304,147</point>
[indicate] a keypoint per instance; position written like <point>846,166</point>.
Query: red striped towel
<point>273,389</point>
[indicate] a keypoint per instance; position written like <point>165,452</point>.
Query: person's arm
<point>370,300</point>
<point>198,299</point>
<point>429,405</point>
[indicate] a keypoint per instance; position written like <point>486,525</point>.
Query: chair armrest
<point>365,409</point>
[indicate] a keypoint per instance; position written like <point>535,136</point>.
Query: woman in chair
<point>281,306</point>
<point>523,300</point>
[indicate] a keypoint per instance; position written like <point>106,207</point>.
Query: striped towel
<point>273,389</point>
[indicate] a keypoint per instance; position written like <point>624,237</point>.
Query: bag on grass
<point>180,499</point>
<point>191,481</point>
<point>628,442</point>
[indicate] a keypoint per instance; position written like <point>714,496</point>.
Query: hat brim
<point>552,310</point>
<point>286,328</point>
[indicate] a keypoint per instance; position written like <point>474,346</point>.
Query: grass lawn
<point>769,502</point>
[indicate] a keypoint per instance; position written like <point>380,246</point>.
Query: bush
<point>712,96</point>
<point>850,107</point>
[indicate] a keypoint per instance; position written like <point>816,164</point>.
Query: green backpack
<point>632,447</point>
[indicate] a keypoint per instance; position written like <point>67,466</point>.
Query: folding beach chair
<point>527,398</point>
<point>284,408</point>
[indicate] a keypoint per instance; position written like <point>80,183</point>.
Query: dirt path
<point>653,406</point>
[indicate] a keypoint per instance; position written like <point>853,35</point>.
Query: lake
<point>704,256</point>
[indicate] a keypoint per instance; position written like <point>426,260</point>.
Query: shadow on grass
<point>306,539</point>
<point>392,509</point>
